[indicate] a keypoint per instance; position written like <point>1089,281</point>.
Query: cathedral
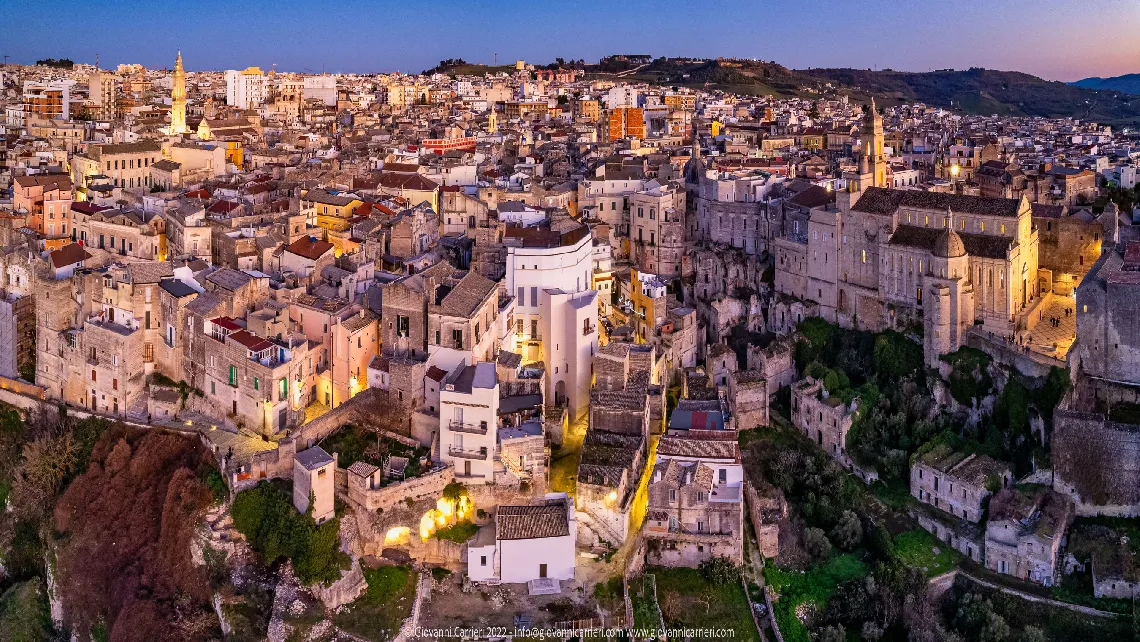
<point>886,258</point>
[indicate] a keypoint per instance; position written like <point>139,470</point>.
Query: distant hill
<point>972,91</point>
<point>986,91</point>
<point>1128,83</point>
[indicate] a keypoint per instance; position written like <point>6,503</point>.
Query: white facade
<point>322,87</point>
<point>516,557</point>
<point>569,329</point>
<point>247,88</point>
<point>468,421</point>
<point>554,303</point>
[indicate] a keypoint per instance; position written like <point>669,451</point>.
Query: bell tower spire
<point>178,97</point>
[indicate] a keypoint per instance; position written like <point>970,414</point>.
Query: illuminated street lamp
<point>954,171</point>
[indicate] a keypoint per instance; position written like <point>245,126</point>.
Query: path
<point>948,578</point>
<point>564,466</point>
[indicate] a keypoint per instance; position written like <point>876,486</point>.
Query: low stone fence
<point>385,497</point>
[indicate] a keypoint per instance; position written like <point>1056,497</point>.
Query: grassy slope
<point>687,599</point>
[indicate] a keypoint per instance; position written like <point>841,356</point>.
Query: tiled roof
<point>531,522</point>
<point>881,200</point>
<point>465,298</point>
<point>982,245</point>
<point>362,469</point>
<point>68,255</point>
<point>309,247</point>
<point>697,448</point>
<point>149,272</point>
<point>359,320</point>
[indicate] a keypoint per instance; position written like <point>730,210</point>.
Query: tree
<point>816,544</point>
<point>976,619</point>
<point>833,633</point>
<point>1032,634</point>
<point>848,533</point>
<point>719,570</point>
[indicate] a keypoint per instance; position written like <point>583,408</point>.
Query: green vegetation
<point>794,588</point>
<point>975,607</point>
<point>378,614</point>
<point>24,615</point>
<point>62,63</point>
<point>354,443</point>
<point>266,517</point>
<point>459,532</point>
<point>645,609</point>
<point>184,389</point>
<point>969,379</point>
<point>689,599</point>
<point>917,548</point>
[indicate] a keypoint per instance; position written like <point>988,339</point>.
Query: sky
<point>1054,39</point>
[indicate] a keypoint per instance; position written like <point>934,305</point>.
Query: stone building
<point>956,482</point>
<point>695,505</point>
<point>1025,533</point>
<point>883,257</point>
<point>824,419</point>
<point>313,473</point>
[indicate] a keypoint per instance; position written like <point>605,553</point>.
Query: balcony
<point>469,428</point>
<point>589,329</point>
<point>463,453</point>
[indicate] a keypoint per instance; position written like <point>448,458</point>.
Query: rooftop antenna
<point>496,59</point>
<point>96,61</point>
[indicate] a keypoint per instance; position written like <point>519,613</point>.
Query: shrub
<point>267,519</point>
<point>459,532</point>
<point>848,533</point>
<point>816,544</point>
<point>719,570</point>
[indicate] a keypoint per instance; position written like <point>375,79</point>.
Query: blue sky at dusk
<point>1050,38</point>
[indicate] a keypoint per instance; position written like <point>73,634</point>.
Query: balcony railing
<point>474,429</point>
<point>462,453</point>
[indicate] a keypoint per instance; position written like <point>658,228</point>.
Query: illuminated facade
<point>178,98</point>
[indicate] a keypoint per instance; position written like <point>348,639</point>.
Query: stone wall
<point>765,512</point>
<point>426,486</point>
<point>1097,463</point>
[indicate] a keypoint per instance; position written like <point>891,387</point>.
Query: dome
<point>949,245</point>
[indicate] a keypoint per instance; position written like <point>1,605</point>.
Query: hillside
<point>973,91</point>
<point>985,91</point>
<point>1128,83</point>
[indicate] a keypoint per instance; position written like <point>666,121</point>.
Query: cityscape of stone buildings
<point>521,260</point>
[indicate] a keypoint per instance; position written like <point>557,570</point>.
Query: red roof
<point>251,341</point>
<point>69,255</point>
<point>87,207</point>
<point>198,193</point>
<point>223,207</point>
<point>226,323</point>
<point>309,247</point>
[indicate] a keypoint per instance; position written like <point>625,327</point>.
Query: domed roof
<point>949,245</point>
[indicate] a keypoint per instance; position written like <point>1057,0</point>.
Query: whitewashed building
<point>526,543</point>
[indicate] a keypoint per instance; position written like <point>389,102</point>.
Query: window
<point>147,320</point>
<point>148,352</point>
<point>403,326</point>
<point>672,495</point>
<point>864,255</point>
<point>256,383</point>
<point>534,297</point>
<point>457,339</point>
<point>522,294</point>
<point>233,376</point>
<point>518,328</point>
<point>114,384</point>
<point>437,336</point>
